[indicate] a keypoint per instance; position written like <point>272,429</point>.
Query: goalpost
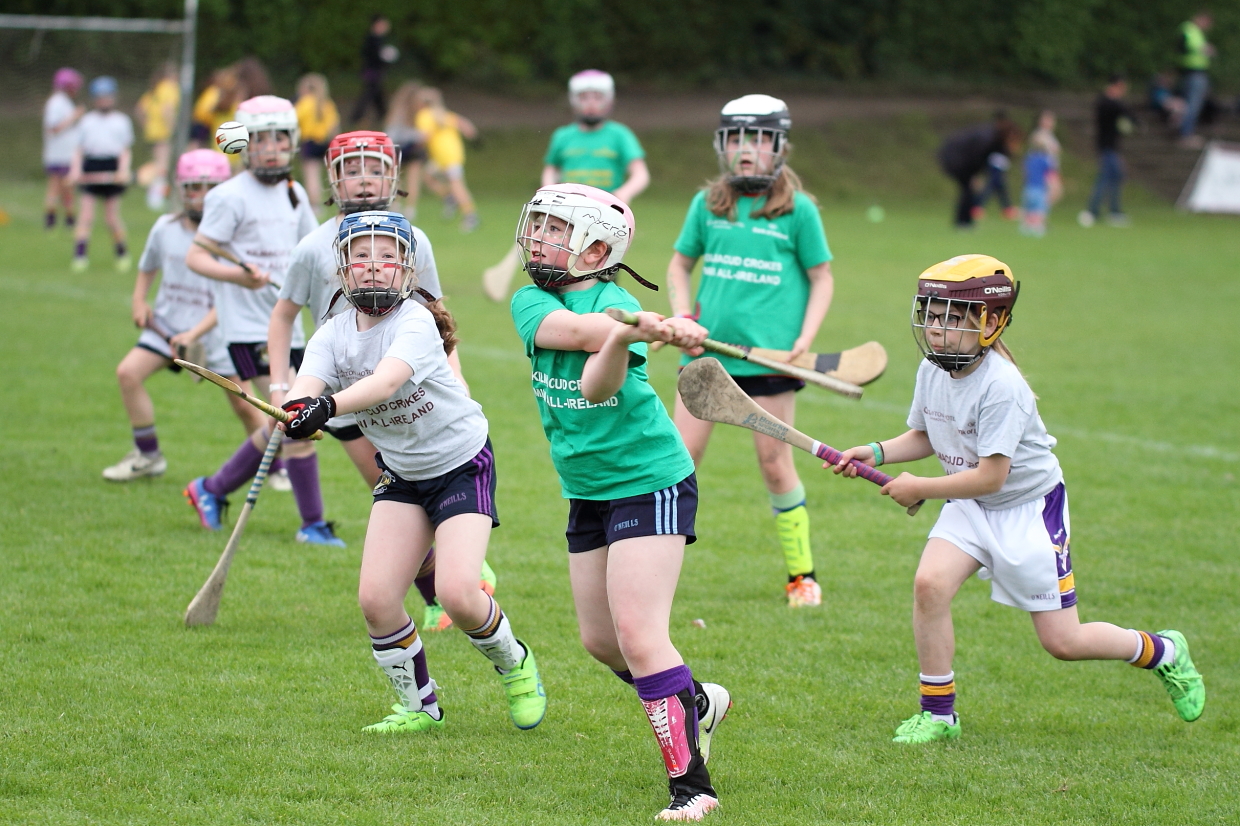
<point>36,45</point>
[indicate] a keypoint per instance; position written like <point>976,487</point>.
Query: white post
<point>187,88</point>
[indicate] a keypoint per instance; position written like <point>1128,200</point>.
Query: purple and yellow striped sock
<point>394,653</point>
<point>1152,650</point>
<point>938,694</point>
<point>495,640</point>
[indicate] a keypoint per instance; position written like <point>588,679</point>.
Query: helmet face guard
<point>374,277</point>
<point>561,222</point>
<point>363,171</point>
<point>752,142</point>
<point>269,115</point>
<point>600,86</point>
<point>955,301</point>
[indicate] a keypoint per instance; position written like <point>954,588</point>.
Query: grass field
<point>112,712</point>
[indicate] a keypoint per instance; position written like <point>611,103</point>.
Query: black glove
<point>307,415</point>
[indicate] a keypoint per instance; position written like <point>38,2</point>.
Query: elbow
<point>597,392</point>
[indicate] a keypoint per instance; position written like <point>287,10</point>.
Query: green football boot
<point>489,579</point>
<point>922,728</point>
<point>402,719</point>
<point>527,702</point>
<point>1182,680</point>
<point>435,618</point>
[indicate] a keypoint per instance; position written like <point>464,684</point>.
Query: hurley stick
<point>219,252</point>
<point>711,395</point>
<point>206,603</point>
<point>835,385</point>
<point>234,388</point>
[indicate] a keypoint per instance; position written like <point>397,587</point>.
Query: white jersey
<point>430,425</point>
<point>104,134</point>
<point>311,279</point>
<point>260,226</point>
<point>991,411</point>
<point>58,147</point>
<point>184,297</point>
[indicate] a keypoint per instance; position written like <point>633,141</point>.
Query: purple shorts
<point>469,488</point>
<point>57,169</point>
<point>250,359</point>
<point>596,524</point>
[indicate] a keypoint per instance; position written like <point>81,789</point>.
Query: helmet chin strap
<point>535,270</point>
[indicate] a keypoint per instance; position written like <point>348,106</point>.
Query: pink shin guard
<point>672,729</point>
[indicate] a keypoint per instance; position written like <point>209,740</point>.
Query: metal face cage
<point>373,285</point>
<point>944,328</point>
<point>371,171</point>
<point>764,146</point>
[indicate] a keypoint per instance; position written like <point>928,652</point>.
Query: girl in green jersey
<point>628,478</point>
<point>766,282</point>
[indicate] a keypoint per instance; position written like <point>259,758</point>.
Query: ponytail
<point>292,193</point>
<point>443,320</point>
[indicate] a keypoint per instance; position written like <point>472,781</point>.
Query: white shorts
<point>218,360</point>
<point>1024,549</point>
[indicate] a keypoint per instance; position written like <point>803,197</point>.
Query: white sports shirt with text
<point>430,425</point>
<point>259,225</point>
<point>991,411</point>
<point>104,134</point>
<point>58,147</point>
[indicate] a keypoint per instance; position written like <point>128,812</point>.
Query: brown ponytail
<point>443,320</point>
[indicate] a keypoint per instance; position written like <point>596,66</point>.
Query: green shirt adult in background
<point>753,288</point>
<point>624,446</point>
<point>596,156</point>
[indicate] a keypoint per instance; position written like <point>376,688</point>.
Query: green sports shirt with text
<point>599,157</point>
<point>624,446</point>
<point>753,288</point>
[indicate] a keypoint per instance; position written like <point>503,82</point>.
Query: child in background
<point>446,171</point>
<point>182,317</point>
<point>101,165</point>
<point>157,113</point>
<point>215,105</point>
<point>387,361</point>
<point>60,118</point>
<point>1006,509</point>
<point>403,130</point>
<point>1043,187</point>
<point>319,122</point>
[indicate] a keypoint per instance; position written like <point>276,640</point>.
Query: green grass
<point>112,712</point>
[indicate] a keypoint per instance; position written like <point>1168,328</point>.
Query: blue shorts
<point>596,524</point>
<point>469,488</point>
<point>1035,199</point>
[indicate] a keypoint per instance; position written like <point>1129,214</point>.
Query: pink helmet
<point>203,166</point>
<point>67,80</point>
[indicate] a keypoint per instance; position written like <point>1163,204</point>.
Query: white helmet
<point>268,113</point>
<point>591,80</point>
<point>589,215</point>
<point>763,122</point>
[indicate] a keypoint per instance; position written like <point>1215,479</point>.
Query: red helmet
<point>368,188</point>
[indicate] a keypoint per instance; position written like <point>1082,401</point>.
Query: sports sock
<point>70,219</point>
<point>414,686</point>
<point>938,696</point>
<point>425,580</point>
<point>238,470</point>
<point>145,440</point>
<point>121,249</point>
<point>625,676</point>
<point>495,640</point>
<point>1152,650</point>
<point>49,220</point>
<point>79,249</point>
<point>303,473</point>
<point>668,698</point>
<point>792,526</point>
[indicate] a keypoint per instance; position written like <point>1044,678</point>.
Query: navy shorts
<point>598,523</point>
<point>469,488</point>
<point>348,433</point>
<point>768,385</point>
<point>313,150</point>
<point>250,359</point>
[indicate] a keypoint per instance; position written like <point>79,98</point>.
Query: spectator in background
<point>157,113</point>
<point>1195,54</point>
<point>965,154</point>
<point>376,55</point>
<point>997,165</point>
<point>1042,184</point>
<point>60,118</point>
<point>1164,102</point>
<point>319,121</point>
<point>1112,120</point>
<point>402,128</point>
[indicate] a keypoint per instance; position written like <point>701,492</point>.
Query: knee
<point>930,589</point>
<point>127,377</point>
<point>1060,646</point>
<point>600,646</point>
<point>378,603</point>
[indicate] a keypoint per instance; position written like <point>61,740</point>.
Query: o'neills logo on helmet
<point>1004,290</point>
<point>935,286</point>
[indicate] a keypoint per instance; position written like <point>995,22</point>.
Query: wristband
<point>877,447</point>
<point>283,388</point>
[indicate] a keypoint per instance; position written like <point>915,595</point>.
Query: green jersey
<point>599,157</point>
<point>753,289</point>
<point>624,446</point>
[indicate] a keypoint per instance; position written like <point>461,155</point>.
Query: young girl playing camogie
<point>182,317</point>
<point>101,166</point>
<point>629,480</point>
<point>387,362</point>
<point>60,118</point>
<point>1007,507</point>
<point>363,170</point>
<point>259,215</point>
<point>766,282</point>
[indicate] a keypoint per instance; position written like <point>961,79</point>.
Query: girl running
<point>1007,508</point>
<point>766,282</point>
<point>157,113</point>
<point>259,215</point>
<point>629,480</point>
<point>388,362</point>
<point>445,174</point>
<point>181,318</point>
<point>363,170</point>
<point>60,118</point>
<point>101,165</point>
